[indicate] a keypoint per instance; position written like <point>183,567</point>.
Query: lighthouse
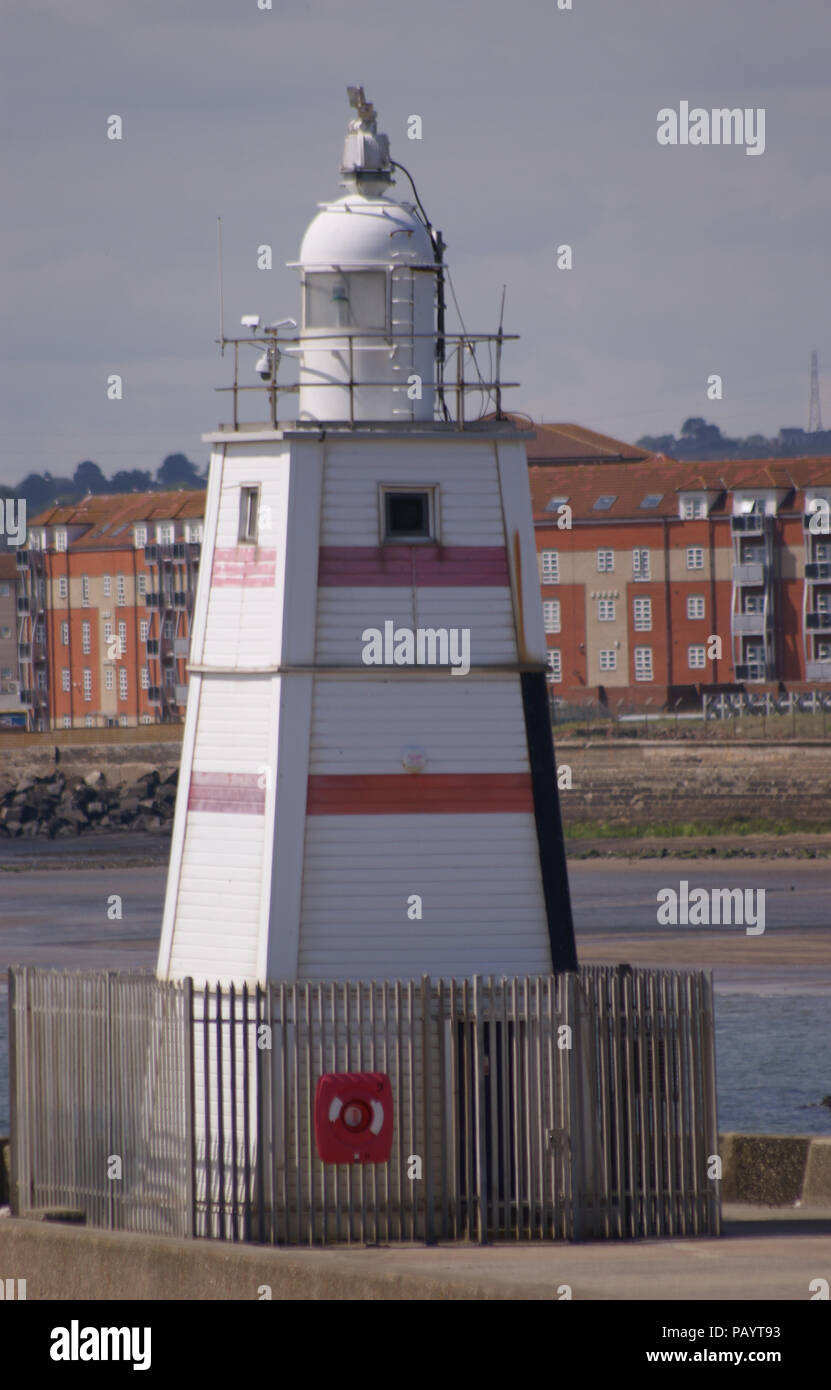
<point>368,788</point>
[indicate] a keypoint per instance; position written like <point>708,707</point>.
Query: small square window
<point>605,561</point>
<point>602,504</point>
<point>248,509</point>
<point>695,606</point>
<point>606,610</point>
<point>696,658</point>
<point>407,515</point>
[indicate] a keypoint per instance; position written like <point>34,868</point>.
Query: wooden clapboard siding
<point>465,468</point>
<point>343,614</point>
<point>478,877</point>
<point>221,880</point>
<point>244,623</point>
<point>463,724</point>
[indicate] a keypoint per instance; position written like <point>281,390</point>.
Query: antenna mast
<point>219,283</point>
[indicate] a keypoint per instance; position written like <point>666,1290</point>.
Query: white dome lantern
<point>368,340</point>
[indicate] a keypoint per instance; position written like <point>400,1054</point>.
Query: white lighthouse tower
<point>367,787</point>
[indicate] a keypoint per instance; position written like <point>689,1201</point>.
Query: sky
<point>539,128</point>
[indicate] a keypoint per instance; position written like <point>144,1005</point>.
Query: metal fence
<point>569,1106</point>
<point>736,704</point>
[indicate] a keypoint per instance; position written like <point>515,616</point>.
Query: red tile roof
<point>630,483</point>
<point>574,444</point>
<point>108,517</point>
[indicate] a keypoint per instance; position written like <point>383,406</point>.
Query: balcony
<point>818,670</point>
<point>749,622</point>
<point>754,671</point>
<point>751,522</point>
<point>818,569</point>
<point>818,621</point>
<point>181,646</point>
<point>181,693</point>
<point>753,573</point>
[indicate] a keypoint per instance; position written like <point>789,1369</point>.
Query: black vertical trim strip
<point>549,821</point>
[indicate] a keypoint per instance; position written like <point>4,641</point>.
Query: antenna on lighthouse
<point>366,164</point>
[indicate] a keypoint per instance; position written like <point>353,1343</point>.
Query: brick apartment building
<point>663,556</point>
<point>105,595</point>
<point>10,710</point>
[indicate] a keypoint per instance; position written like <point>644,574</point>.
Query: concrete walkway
<point>765,1253</point>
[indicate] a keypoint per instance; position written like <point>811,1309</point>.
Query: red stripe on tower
<point>394,566</point>
<point>234,793</point>
<point>243,567</point>
<point>437,793</point>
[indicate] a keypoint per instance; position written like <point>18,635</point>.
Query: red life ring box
<point>353,1117</point>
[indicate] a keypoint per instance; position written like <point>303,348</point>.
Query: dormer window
<point>692,507</point>
<point>140,537</point>
<point>165,532</point>
<point>60,540</point>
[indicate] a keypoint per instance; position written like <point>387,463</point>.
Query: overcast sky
<point>539,128</point>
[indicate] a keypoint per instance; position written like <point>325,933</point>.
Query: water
<point>773,1020</point>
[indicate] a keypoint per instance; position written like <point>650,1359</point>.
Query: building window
<point>168,630</point>
<point>141,585</point>
<point>109,679</point>
<point>693,508</point>
<point>249,505</point>
<point>5,590</point>
<point>608,660</point>
<point>140,537</point>
<point>65,678</point>
<point>108,633</point>
<point>60,540</point>
<point>122,638</point>
<point>602,504</point>
<point>64,634</point>
<point>555,665</point>
<point>67,721</point>
<point>643,614</point>
<point>89,722</point>
<point>754,603</point>
<point>170,675</point>
<point>823,650</point>
<point>551,614</point>
<point>63,588</point>
<point>606,610</point>
<point>145,678</point>
<point>165,533</point>
<point>695,606</point>
<point>195,533</point>
<point>41,680</point>
<point>407,516</point>
<point>85,591</point>
<point>643,663</point>
<point>122,683</point>
<point>5,633</point>
<point>87,684</point>
<point>143,630</point>
<point>86,646</point>
<point>640,564</point>
<point>145,719</point>
<point>605,561</point>
<point>695,557</point>
<point>550,565</point>
<point>120,591</point>
<point>108,585</point>
<point>696,658</point>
